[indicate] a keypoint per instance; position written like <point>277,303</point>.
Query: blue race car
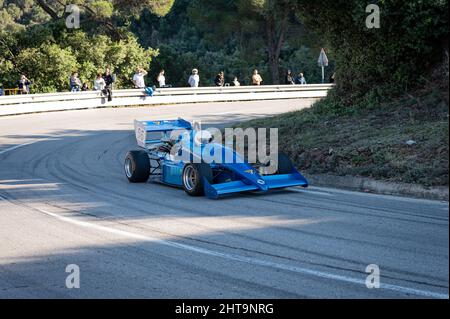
<point>162,143</point>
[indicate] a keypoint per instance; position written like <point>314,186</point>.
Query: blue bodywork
<point>235,177</point>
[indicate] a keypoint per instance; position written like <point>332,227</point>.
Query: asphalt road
<point>64,199</point>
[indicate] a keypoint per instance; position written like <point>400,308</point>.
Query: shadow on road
<point>78,175</point>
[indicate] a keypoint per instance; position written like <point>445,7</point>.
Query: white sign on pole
<point>323,62</point>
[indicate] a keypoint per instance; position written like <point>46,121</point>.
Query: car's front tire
<point>137,166</point>
<point>192,178</point>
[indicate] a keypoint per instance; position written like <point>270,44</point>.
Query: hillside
<point>402,141</point>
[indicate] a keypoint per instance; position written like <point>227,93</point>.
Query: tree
<point>105,8</point>
<point>158,7</point>
<point>106,13</point>
<point>35,61</point>
<point>275,17</point>
<point>34,40</point>
<point>373,64</point>
<point>255,24</point>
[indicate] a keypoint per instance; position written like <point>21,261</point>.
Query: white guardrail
<point>31,103</point>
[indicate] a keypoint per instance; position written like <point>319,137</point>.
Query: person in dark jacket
<point>75,82</point>
<point>24,85</point>
<point>289,78</point>
<point>220,79</point>
<point>300,79</point>
<point>109,80</point>
<point>331,80</point>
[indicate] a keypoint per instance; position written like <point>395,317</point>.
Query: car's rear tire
<point>285,165</point>
<point>137,166</point>
<point>192,178</point>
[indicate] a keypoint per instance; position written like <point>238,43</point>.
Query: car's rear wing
<point>153,132</point>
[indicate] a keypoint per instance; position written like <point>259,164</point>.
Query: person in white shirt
<point>194,79</point>
<point>99,83</point>
<point>300,79</point>
<point>161,79</point>
<point>236,82</point>
<point>138,78</point>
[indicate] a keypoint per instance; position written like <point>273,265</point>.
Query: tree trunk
<point>47,9</point>
<point>275,41</point>
<point>274,67</point>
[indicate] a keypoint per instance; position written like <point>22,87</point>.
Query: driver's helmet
<point>202,137</point>
<point>165,148</point>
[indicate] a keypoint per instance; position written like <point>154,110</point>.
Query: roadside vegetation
<point>176,35</point>
<point>387,117</point>
<point>402,141</point>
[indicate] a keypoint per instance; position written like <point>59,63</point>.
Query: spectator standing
<point>220,79</point>
<point>236,82</point>
<point>138,78</point>
<point>109,80</point>
<point>289,79</point>
<point>194,79</point>
<point>24,85</point>
<point>75,82</point>
<point>161,79</point>
<point>300,79</point>
<point>256,78</point>
<point>332,78</point>
<point>99,83</point>
<point>84,87</point>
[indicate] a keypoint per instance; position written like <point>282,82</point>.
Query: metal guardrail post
<point>14,91</point>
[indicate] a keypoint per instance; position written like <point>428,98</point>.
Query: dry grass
<point>370,141</point>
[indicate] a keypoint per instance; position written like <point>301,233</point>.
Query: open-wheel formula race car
<point>157,159</point>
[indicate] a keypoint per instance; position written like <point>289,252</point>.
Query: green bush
<point>50,64</point>
<point>375,64</point>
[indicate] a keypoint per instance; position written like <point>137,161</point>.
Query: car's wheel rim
<point>128,167</point>
<point>189,178</point>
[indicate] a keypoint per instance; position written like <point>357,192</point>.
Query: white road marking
<point>244,259</point>
<point>16,147</point>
